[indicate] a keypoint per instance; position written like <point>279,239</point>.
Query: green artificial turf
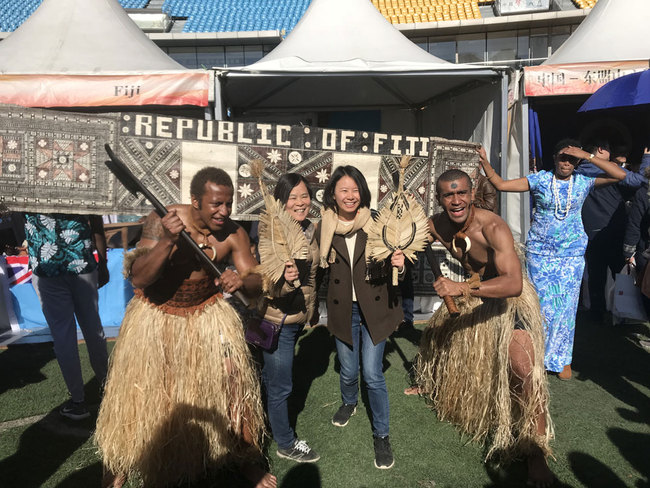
<point>601,422</point>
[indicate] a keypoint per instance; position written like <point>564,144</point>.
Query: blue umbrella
<point>630,90</point>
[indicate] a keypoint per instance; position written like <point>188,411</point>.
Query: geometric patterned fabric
<point>53,162</point>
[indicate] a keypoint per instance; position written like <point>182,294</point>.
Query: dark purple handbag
<point>263,333</point>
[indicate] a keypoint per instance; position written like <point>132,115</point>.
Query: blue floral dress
<point>555,251</point>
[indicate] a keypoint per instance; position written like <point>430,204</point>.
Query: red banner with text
<point>575,79</point>
<point>43,90</point>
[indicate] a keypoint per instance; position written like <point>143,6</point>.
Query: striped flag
<point>18,271</point>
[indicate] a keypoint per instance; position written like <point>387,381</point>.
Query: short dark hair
<point>211,174</point>
<point>452,175</point>
<point>594,143</point>
<point>359,179</point>
<point>619,151</point>
<point>286,183</point>
<point>566,142</point>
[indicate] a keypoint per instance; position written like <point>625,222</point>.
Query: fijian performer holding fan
<point>182,394</point>
<point>483,370</point>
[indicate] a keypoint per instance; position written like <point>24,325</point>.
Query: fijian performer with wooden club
<point>182,396</point>
<point>483,370</point>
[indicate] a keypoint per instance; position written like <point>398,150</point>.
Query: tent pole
<point>525,166</point>
<point>503,143</point>
<point>218,96</point>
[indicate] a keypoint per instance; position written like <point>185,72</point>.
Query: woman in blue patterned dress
<point>556,242</point>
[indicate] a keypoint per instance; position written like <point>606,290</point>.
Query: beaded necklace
<point>561,213</point>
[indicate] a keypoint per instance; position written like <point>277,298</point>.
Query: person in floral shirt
<point>66,277</point>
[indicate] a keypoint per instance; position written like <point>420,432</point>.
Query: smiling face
<point>347,198</point>
<point>215,206</point>
<point>455,197</point>
<point>299,201</point>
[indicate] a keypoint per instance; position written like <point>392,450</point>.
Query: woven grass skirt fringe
<point>463,369</point>
<point>179,391</point>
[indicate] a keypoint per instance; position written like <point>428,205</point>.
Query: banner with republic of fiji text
<point>53,162</point>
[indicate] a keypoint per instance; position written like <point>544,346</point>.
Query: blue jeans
<point>277,377</point>
<point>408,293</point>
<point>371,361</point>
<point>63,298</point>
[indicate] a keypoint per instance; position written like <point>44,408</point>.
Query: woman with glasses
<point>556,242</point>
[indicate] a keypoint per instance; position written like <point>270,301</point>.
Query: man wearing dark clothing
<point>637,232</point>
<point>604,218</point>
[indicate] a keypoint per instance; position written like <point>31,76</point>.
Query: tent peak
<point>89,36</point>
<point>346,35</point>
<point>613,31</point>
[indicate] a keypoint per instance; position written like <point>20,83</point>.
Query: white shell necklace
<point>561,213</point>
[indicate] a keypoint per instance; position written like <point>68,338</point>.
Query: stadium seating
<point>412,11</point>
<point>584,3</point>
<point>254,15</point>
<point>236,15</point>
<point>15,12</point>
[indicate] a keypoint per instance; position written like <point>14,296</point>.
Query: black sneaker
<point>74,410</point>
<point>342,416</point>
<point>299,452</point>
<point>383,453</point>
<point>405,325</point>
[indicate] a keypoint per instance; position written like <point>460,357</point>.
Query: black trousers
<point>604,255</point>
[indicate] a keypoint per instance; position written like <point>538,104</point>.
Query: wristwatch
<point>591,156</point>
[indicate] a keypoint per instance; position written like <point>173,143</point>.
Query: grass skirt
<point>463,369</point>
<point>178,393</point>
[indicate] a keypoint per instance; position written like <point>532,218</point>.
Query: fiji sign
<point>106,90</point>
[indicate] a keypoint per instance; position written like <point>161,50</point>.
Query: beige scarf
<point>330,225</point>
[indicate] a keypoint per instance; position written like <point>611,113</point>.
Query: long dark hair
<point>286,183</point>
<point>328,196</point>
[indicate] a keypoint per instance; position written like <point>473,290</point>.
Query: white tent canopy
<point>65,51</point>
<point>366,62</point>
<point>83,36</point>
<point>343,55</point>
<point>615,30</point>
<point>343,35</point>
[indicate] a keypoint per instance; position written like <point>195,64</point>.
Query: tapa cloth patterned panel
<point>52,161</point>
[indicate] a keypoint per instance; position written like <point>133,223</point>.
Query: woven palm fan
<point>402,224</point>
<point>281,237</point>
